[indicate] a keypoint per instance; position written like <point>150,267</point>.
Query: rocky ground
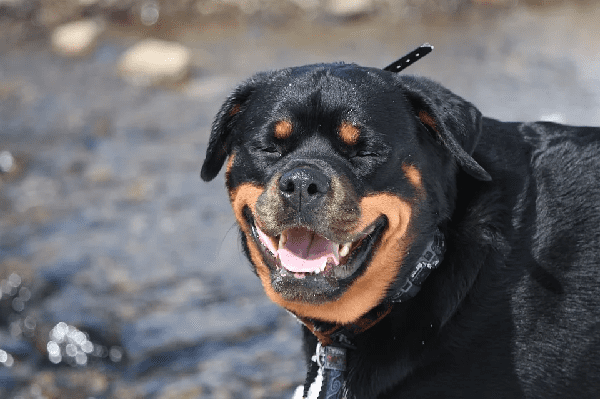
<point>120,271</point>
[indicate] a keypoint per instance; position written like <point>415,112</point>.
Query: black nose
<point>304,187</point>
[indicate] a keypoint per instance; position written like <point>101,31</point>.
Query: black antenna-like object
<point>409,58</point>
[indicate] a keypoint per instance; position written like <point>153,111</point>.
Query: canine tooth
<point>345,249</point>
<point>282,240</point>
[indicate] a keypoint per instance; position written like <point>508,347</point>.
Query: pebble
<point>76,38</point>
<point>349,8</point>
<point>7,162</point>
<point>99,174</point>
<point>181,390</point>
<point>152,62</point>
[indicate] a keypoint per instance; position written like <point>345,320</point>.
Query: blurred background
<point>120,271</point>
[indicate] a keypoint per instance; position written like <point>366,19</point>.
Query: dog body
<point>340,175</point>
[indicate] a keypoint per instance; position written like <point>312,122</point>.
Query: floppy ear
<point>219,144</point>
<point>456,122</point>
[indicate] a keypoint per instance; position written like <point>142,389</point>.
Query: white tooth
<point>282,240</point>
<point>345,249</point>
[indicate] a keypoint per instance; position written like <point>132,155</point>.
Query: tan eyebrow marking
<point>349,133</point>
<point>283,129</point>
<point>414,176</point>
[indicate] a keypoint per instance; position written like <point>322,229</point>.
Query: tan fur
<point>414,177</point>
<point>228,171</point>
<point>349,133</point>
<point>283,129</point>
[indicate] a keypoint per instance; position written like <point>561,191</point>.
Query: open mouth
<point>299,252</point>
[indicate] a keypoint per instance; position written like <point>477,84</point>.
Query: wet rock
<point>12,166</point>
<point>140,190</point>
<point>149,13</point>
<point>181,390</point>
<point>169,329</point>
<point>152,62</point>
<point>7,162</point>
<point>76,38</point>
<point>36,191</point>
<point>74,383</point>
<point>99,174</point>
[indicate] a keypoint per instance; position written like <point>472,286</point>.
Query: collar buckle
<point>331,357</point>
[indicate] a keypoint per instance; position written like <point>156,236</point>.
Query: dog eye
<point>363,154</point>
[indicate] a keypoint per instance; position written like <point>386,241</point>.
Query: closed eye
<point>362,154</point>
<point>271,149</point>
<point>366,154</point>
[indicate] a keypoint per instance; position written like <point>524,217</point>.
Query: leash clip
<point>331,357</point>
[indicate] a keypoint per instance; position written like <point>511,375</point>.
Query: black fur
<point>513,311</point>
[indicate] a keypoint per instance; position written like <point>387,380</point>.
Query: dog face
<point>337,175</point>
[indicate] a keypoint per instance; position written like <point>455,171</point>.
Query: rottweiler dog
<point>428,251</point>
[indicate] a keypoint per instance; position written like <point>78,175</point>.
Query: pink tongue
<point>304,250</point>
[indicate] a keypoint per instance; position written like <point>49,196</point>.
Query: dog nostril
<point>289,187</point>
<point>312,189</point>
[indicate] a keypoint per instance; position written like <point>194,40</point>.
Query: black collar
<point>429,260</point>
<point>410,58</point>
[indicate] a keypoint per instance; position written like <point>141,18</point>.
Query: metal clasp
<point>331,357</point>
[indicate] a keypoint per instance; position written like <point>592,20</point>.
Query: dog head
<point>338,175</point>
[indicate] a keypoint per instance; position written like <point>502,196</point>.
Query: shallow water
<point>120,271</point>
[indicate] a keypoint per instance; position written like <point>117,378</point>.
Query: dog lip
<point>348,260</point>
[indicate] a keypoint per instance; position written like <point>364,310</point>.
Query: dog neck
<point>328,365</point>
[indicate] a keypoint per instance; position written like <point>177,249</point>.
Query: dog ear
<point>456,122</point>
<point>219,143</point>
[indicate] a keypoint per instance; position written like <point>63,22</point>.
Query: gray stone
<point>349,8</point>
<point>152,62</point>
<point>76,38</point>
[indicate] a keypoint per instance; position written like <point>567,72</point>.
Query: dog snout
<point>304,187</point>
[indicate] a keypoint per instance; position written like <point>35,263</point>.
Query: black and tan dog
<point>429,252</point>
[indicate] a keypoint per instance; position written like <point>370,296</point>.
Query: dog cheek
<point>388,257</point>
<point>245,196</point>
